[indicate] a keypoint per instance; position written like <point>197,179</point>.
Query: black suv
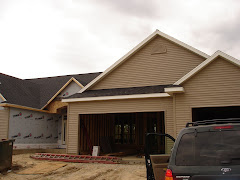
<point>204,150</point>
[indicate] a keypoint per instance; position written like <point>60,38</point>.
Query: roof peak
<point>217,54</point>
<point>136,48</point>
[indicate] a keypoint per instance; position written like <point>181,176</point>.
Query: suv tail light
<point>223,127</point>
<point>168,175</point>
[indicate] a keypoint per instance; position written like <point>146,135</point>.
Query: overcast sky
<point>40,38</point>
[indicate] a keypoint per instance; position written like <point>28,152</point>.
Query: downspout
<point>174,116</point>
<point>68,116</point>
<point>8,108</point>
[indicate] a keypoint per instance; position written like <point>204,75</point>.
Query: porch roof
<point>122,91</point>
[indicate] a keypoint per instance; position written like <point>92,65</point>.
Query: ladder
<point>77,158</point>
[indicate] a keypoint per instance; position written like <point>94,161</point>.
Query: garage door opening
<point>118,132</point>
<point>208,113</point>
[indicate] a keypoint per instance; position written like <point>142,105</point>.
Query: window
<point>209,149</point>
<point>125,129</point>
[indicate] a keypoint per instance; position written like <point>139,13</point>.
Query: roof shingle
<point>121,91</point>
<point>36,93</point>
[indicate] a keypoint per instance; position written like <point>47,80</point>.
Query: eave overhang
<point>22,107</point>
<point>104,98</point>
<point>174,90</point>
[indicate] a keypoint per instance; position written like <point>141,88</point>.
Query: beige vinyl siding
<point>145,69</point>
<point>217,85</point>
<point>115,106</point>
<point>4,118</point>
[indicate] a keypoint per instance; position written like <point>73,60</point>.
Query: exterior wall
<point>147,69</point>
<point>115,106</point>
<point>71,89</point>
<point>216,85</point>
<point>32,129</point>
<point>4,116</point>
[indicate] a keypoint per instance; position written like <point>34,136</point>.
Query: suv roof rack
<point>213,121</point>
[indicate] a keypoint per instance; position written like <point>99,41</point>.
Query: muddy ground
<point>75,171</point>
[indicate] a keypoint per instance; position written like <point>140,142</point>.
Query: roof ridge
<point>11,76</point>
<point>62,76</point>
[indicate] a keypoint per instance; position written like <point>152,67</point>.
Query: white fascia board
<point>104,98</point>
<point>125,57</point>
<point>183,44</point>
<point>77,82</point>
<point>205,63</point>
<point>22,107</point>
<point>174,90</point>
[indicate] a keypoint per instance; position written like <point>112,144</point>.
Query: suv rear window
<point>209,149</point>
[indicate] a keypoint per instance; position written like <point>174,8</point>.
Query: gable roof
<point>51,85</point>
<point>36,93</point>
<point>207,62</point>
<point>60,90</point>
<point>135,49</point>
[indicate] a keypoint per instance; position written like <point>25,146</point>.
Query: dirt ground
<point>74,171</point>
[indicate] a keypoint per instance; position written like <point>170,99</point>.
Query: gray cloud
<point>88,36</point>
<point>136,8</point>
<point>222,34</point>
<point>4,6</point>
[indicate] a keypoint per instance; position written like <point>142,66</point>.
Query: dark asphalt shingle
<point>122,91</point>
<point>20,92</point>
<point>51,85</point>
<point>36,93</point>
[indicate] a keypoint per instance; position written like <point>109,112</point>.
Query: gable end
<point>206,63</point>
<point>134,50</point>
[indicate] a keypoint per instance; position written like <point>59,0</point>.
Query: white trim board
<point>104,98</point>
<point>145,41</point>
<point>22,107</point>
<point>174,90</point>
<point>207,62</point>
